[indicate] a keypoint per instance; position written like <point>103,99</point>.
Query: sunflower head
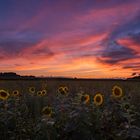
<point>63,90</point>
<point>98,99</point>
<point>4,95</point>
<point>85,98</point>
<point>39,93</point>
<point>126,106</point>
<point>44,92</point>
<point>32,89</point>
<point>47,111</point>
<point>117,92</point>
<point>15,93</point>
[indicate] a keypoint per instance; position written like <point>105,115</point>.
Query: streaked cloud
<point>70,38</point>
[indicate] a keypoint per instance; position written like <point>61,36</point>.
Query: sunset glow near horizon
<point>71,38</point>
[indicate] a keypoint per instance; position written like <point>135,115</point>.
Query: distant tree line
<point>12,75</point>
<point>135,76</point>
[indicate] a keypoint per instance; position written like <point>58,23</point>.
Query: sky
<point>71,38</point>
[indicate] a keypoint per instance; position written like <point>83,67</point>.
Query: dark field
<point>88,86</point>
<point>69,114</point>
<point>75,86</point>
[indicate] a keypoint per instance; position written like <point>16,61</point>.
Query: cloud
<point>13,49</point>
<point>86,38</point>
<point>115,53</point>
<point>131,42</point>
<point>24,50</point>
<point>134,67</point>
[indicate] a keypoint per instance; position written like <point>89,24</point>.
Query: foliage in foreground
<point>69,116</point>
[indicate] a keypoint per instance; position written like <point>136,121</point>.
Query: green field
<point>21,117</point>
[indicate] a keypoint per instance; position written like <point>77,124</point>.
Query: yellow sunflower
<point>117,92</point>
<point>15,93</point>
<point>63,90</point>
<point>4,95</point>
<point>39,93</point>
<point>98,99</point>
<point>43,92</point>
<point>85,98</point>
<point>32,89</point>
<point>47,111</point>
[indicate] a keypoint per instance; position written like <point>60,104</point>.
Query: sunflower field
<point>69,110</point>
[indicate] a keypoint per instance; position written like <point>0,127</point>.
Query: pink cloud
<point>115,14</point>
<point>73,45</point>
<point>130,43</point>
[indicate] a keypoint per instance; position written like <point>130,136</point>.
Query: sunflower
<point>47,111</point>
<point>32,89</point>
<point>117,92</point>
<point>85,98</point>
<point>15,93</point>
<point>39,93</point>
<point>98,99</point>
<point>126,106</point>
<point>43,92</point>
<point>4,94</point>
<point>63,90</point>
